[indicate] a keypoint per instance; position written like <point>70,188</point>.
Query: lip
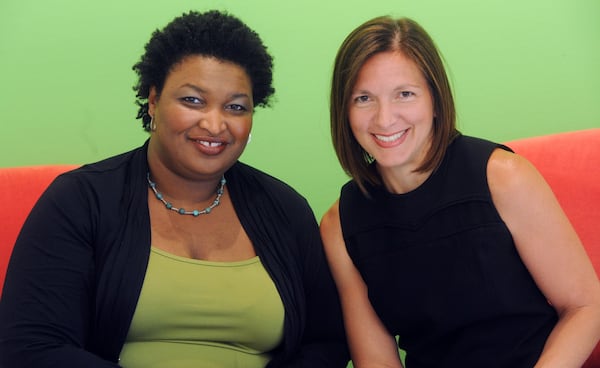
<point>390,140</point>
<point>209,146</point>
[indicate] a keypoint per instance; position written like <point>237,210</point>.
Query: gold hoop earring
<point>152,124</point>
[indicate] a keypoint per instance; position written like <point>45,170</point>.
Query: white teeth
<point>390,138</point>
<point>210,144</point>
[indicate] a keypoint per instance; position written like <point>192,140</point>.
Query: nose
<point>385,115</point>
<point>213,121</point>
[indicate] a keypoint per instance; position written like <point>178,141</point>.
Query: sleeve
<point>47,305</point>
<point>324,341</point>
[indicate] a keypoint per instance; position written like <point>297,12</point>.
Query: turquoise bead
<point>182,211</point>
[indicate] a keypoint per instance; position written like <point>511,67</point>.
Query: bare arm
<point>370,343</point>
<point>553,254</point>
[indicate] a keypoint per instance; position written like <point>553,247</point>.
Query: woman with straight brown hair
<point>453,243</point>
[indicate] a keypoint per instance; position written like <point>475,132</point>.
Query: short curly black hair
<point>213,33</point>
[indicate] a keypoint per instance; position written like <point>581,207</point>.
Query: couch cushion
<point>20,188</point>
<point>570,163</point>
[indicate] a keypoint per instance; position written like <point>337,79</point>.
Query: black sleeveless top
<point>442,269</point>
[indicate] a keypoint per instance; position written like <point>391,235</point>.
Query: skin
<point>203,118</point>
<point>390,97</point>
<point>391,116</point>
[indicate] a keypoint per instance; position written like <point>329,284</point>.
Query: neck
<point>182,210</point>
<point>400,181</point>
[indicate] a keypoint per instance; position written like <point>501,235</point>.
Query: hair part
<point>212,34</point>
<point>383,34</point>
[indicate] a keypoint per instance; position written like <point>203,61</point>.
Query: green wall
<point>519,68</point>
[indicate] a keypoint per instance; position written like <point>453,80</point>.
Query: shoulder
<point>469,145</point>
<point>507,170</point>
<point>330,227</point>
<point>110,175</point>
<point>351,194</point>
<point>331,217</point>
<point>513,181</point>
<point>247,178</point>
<point>470,158</point>
<point>135,158</point>
<point>255,188</point>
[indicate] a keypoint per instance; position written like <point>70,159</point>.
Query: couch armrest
<point>20,188</point>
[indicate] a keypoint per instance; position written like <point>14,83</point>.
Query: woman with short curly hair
<point>176,254</point>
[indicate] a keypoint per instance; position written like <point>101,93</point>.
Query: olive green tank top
<point>194,313</point>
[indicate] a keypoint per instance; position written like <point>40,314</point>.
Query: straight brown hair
<point>378,35</point>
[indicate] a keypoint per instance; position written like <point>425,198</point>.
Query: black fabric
<point>78,265</point>
<point>442,269</point>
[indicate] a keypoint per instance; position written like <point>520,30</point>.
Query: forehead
<point>390,66</point>
<point>208,70</point>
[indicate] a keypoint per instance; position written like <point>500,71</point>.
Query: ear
<point>152,100</point>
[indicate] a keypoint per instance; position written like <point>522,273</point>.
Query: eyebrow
<point>201,90</point>
<point>192,86</point>
<point>399,87</point>
<point>408,85</point>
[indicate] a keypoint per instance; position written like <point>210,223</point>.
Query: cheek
<point>171,118</point>
<point>241,127</point>
<point>357,120</point>
<point>419,115</point>
<point>359,131</point>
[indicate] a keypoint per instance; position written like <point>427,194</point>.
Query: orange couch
<point>20,188</point>
<point>569,161</point>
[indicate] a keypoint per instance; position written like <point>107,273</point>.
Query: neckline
<point>382,191</point>
<point>243,262</point>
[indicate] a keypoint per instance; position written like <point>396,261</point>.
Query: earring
<point>249,138</point>
<point>152,124</point>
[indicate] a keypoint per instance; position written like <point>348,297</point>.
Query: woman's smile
<point>391,140</point>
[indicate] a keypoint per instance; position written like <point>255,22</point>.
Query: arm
<point>324,341</point>
<point>553,254</point>
<point>47,305</point>
<point>370,343</point>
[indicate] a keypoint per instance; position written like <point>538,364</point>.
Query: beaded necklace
<point>182,211</point>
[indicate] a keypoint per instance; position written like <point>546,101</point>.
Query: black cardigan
<point>78,265</point>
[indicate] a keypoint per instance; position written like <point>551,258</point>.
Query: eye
<point>361,99</point>
<point>191,100</point>
<point>237,108</point>
<point>406,94</point>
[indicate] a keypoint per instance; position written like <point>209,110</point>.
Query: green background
<point>519,68</point>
